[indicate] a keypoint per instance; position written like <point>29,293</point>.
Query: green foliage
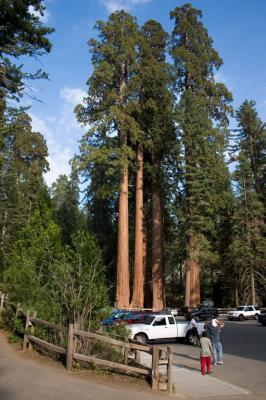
<point>22,34</point>
<point>22,187</point>
<point>119,332</point>
<point>28,277</point>
<point>202,119</point>
<point>65,198</point>
<point>79,280</point>
<point>247,249</point>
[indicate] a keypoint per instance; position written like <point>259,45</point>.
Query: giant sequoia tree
<point>202,101</point>
<point>110,96</point>
<point>157,125</point>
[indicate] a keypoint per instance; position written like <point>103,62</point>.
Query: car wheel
<point>230,319</point>
<point>256,316</point>
<point>141,338</point>
<point>241,317</point>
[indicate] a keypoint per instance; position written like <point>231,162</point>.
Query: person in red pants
<point>205,353</point>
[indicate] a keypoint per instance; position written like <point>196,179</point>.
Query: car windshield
<point>240,308</point>
<point>148,319</point>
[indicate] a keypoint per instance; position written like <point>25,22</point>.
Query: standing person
<point>193,326</point>
<point>213,331</point>
<point>205,353</point>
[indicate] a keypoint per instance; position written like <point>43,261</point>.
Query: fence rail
<point>72,349</point>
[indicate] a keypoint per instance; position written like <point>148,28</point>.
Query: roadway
<point>244,347</point>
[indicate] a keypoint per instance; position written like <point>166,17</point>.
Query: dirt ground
<point>32,376</point>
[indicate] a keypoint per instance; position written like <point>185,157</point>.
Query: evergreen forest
<point>166,202</point>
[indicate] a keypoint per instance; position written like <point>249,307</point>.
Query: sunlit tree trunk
<point>138,285</point>
<point>158,290</point>
<point>122,283</point>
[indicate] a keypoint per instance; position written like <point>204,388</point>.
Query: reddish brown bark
<point>187,288</point>
<point>192,292</point>
<point>158,292</point>
<point>138,285</point>
<point>122,278</point>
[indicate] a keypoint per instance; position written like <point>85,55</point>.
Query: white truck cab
<point>162,326</point>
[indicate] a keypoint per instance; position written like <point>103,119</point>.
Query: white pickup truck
<point>243,312</point>
<point>162,326</point>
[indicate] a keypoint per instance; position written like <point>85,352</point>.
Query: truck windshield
<point>240,308</point>
<point>148,319</point>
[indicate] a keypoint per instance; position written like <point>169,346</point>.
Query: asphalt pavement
<point>243,374</point>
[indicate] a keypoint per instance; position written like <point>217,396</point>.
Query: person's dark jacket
<point>213,332</point>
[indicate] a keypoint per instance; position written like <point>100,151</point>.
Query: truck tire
<point>141,338</point>
<point>241,317</point>
<point>189,338</point>
<point>256,316</point>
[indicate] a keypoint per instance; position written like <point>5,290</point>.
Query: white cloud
<point>43,18</point>
<point>61,132</point>
<point>59,164</point>
<point>72,96</point>
<point>114,5</point>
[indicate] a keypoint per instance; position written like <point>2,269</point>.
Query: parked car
<point>203,313</point>
<point>262,317</point>
<point>115,316</point>
<point>244,312</point>
<point>125,317</point>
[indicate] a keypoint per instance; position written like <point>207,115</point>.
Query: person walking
<point>193,326</point>
<point>206,350</point>
<point>213,332</point>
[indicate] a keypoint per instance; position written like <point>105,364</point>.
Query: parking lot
<point>244,346</point>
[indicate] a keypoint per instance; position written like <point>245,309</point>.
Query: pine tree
<point>22,185</point>
<point>22,34</point>
<point>202,101</point>
<point>248,244</point>
<point>65,197</point>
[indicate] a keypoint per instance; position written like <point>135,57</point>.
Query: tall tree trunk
<point>122,285</point>
<point>251,269</point>
<point>188,285</point>
<point>192,292</point>
<point>158,291</point>
<point>138,285</point>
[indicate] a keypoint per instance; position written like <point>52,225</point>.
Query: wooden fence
<point>71,347</point>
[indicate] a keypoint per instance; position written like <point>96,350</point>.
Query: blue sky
<point>237,27</point>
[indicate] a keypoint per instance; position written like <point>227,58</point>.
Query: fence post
<point>2,303</point>
<point>169,369</point>
<point>137,356</point>
<point>126,355</point>
<point>70,347</point>
<point>25,340</point>
<point>155,368</point>
<point>32,328</point>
